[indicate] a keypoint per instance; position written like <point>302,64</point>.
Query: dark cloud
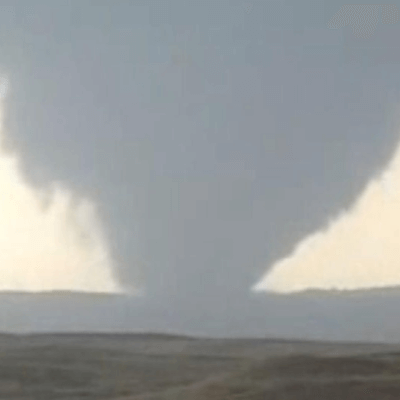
<point>211,148</point>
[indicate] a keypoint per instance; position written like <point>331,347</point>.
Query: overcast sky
<point>213,135</point>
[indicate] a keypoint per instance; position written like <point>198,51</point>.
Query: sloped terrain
<point>158,367</point>
<point>298,378</point>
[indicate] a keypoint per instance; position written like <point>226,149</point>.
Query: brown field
<point>158,367</point>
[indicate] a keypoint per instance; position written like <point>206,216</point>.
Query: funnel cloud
<point>49,240</point>
<point>358,250</point>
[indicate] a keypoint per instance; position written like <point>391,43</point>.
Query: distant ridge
<point>120,335</point>
<point>61,293</point>
<point>167,337</point>
<point>392,290</point>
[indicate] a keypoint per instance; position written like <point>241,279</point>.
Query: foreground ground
<point>159,367</point>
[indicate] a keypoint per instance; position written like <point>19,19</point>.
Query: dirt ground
<point>159,367</point>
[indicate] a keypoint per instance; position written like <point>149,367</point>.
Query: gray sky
<point>213,134</point>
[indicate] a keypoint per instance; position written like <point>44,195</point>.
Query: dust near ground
<point>158,367</point>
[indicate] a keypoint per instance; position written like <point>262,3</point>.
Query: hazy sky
<point>49,238</point>
<point>358,249</point>
<point>213,136</point>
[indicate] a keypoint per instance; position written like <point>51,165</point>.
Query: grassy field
<point>159,367</point>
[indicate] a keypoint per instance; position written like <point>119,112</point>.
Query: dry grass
<point>141,367</point>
